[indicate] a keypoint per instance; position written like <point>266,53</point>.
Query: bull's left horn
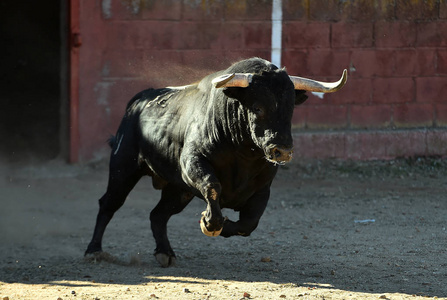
<point>232,80</point>
<point>318,86</point>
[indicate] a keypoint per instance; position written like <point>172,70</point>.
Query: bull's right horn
<point>232,80</point>
<point>319,86</point>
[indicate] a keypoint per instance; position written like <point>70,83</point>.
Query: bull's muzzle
<point>279,155</point>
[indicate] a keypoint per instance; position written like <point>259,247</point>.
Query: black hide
<point>221,145</point>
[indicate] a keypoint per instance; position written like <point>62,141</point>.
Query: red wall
<point>395,51</point>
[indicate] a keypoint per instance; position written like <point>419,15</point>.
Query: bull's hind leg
<point>122,179</point>
<point>172,202</point>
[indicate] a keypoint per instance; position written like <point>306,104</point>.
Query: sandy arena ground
<point>332,230</point>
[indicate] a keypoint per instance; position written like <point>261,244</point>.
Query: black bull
<point>220,140</point>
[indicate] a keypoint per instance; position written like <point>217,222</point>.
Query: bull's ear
<point>300,97</point>
<point>235,92</point>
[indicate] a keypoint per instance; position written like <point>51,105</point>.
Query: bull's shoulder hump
<point>141,98</point>
<point>151,94</point>
<point>147,94</point>
<point>180,88</point>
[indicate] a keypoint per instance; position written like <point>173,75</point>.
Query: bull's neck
<point>228,124</point>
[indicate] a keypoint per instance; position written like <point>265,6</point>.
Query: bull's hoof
<point>205,230</point>
<point>165,260</point>
<point>99,256</point>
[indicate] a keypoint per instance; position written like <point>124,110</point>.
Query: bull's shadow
<point>312,248</point>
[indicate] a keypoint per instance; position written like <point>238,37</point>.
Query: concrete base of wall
<point>370,145</point>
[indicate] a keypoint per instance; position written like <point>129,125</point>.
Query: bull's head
<point>269,98</point>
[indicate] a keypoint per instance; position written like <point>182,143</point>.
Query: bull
<point>220,140</point>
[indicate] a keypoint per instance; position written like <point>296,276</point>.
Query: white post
<point>276,32</point>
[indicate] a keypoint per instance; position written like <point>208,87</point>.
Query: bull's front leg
<point>212,221</point>
<point>249,215</point>
<point>199,174</point>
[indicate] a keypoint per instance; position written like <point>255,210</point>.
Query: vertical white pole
<point>276,32</point>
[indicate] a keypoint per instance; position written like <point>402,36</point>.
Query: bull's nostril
<point>277,153</point>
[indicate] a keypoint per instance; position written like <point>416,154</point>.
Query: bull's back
<point>162,130</point>
<point>145,130</point>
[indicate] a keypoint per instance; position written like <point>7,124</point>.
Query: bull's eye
<point>259,111</point>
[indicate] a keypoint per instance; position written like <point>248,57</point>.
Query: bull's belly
<point>238,197</point>
<point>234,201</point>
<point>231,197</point>
<point>243,182</point>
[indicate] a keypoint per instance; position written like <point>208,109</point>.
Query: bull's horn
<point>318,86</point>
<point>232,80</point>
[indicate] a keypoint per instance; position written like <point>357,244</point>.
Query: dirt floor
<point>332,230</point>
